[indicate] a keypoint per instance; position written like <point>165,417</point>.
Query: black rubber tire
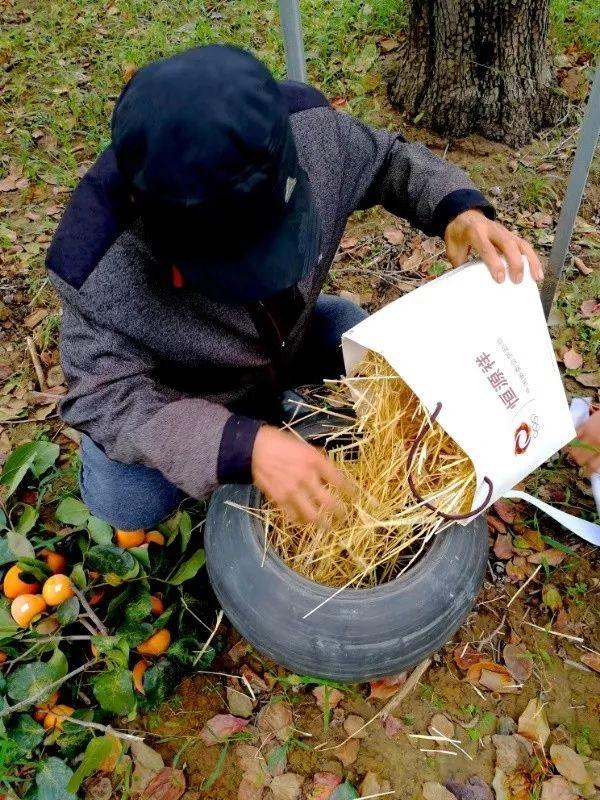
<point>359,635</point>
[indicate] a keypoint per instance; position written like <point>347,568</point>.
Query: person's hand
<point>472,230</point>
<point>588,435</point>
<point>296,476</point>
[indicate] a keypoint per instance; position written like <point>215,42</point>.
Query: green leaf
<point>73,738</point>
<point>53,779</point>
<point>27,519</point>
<point>189,568</point>
<point>16,466</point>
<point>33,566</point>
<point>345,791</point>
<point>185,529</point>
<point>73,512</point>
<point>139,605</point>
<point>217,769</point>
<point>105,558</point>
<point>141,554</point>
<point>31,678</point>
<point>135,632</point>
<point>159,680</point>
<point>26,732</point>
<point>113,689</point>
<point>6,554</point>
<point>7,624</point>
<point>3,520</point>
<point>97,751</point>
<point>19,545</point>
<point>184,650</point>
<point>45,454</point>
<point>79,577</point>
<point>100,531</point>
<point>68,611</point>
<point>551,597</point>
<point>277,759</point>
<point>161,621</point>
<point>559,545</point>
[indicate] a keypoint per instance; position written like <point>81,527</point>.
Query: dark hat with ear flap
<point>204,140</point>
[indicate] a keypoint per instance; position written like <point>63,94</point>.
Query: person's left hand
<point>472,230</point>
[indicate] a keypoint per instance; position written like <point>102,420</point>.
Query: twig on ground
<point>554,633</point>
<point>528,581</point>
<point>37,364</point>
<point>492,635</point>
<point>439,752</point>
<point>210,638</point>
<point>391,705</point>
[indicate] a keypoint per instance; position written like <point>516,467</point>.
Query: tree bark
<point>478,66</point>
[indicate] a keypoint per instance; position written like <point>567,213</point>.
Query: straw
<point>385,527</point>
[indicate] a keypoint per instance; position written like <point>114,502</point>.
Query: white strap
<point>584,529</point>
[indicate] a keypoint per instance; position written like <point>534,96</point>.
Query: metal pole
<point>588,139</point>
<point>291,26</point>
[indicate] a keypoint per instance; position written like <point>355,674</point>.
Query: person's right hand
<point>296,476</point>
<point>588,434</point>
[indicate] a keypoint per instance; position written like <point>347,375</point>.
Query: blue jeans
<point>131,496</point>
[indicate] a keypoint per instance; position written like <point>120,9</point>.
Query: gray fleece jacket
<point>168,378</point>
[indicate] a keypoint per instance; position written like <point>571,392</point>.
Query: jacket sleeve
<point>115,399</point>
<point>381,168</point>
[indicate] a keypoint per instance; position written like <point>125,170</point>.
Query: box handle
<point>420,498</point>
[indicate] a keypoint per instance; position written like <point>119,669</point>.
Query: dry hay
<point>385,528</point>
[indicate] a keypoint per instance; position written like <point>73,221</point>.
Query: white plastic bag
<point>481,350</point>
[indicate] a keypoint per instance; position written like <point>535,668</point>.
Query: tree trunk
<point>478,66</point>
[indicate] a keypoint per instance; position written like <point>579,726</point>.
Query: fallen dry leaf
<point>238,651</point>
<point>167,784</point>
<point>572,359</point>
<point>98,788</point>
<point>239,703</point>
<point>287,786</point>
<point>569,763</point>
<point>518,662</point>
<point>392,726</point>
<point>323,785</point>
<point>221,727</point>
<point>593,767</point>
<point>255,681</point>
<point>348,752</point>
<point>441,724</point>
<point>474,789</point>
<point>393,236</point>
<point>582,266</point>
<point>334,696</point>
<point>475,670</point>
<point>552,557</point>
<point>354,723</point>
<point>388,43</point>
<point>384,688</point>
<point>245,755</point>
<point>589,308</point>
<point>348,242</point>
<point>511,754</point>
<point>496,524</point>
<point>591,660</point>
<point>496,681</point>
<point>369,785</point>
<point>249,791</point>
<point>435,791</point>
<point>503,547</point>
<point>465,657</point>
<point>589,379</point>
<point>533,723</point>
<point>557,788</point>
<point>506,510</point>
<point>276,718</point>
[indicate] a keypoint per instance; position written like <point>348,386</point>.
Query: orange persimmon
<point>14,585</point>
<point>138,674</point>
<point>26,608</point>
<point>157,604</point>
<point>127,539</point>
<point>57,589</point>
<point>155,645</point>
<point>56,561</point>
<point>155,537</point>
